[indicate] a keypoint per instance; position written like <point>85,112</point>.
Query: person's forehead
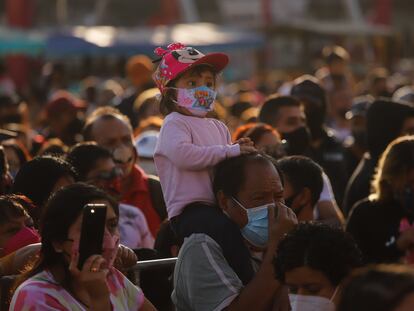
<point>110,127</point>
<point>102,165</point>
<point>205,71</point>
<point>262,176</point>
<point>305,275</point>
<point>290,111</point>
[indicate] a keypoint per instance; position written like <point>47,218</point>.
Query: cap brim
<point>218,61</point>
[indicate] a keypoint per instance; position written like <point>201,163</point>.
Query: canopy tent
<point>13,41</point>
<point>104,40</point>
<point>127,41</point>
<point>341,27</point>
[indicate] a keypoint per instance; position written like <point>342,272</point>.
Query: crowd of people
<point>296,198</point>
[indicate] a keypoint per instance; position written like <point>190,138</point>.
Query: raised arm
<point>175,143</point>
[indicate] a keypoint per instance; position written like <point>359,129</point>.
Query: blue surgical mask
<point>199,100</point>
<point>257,229</point>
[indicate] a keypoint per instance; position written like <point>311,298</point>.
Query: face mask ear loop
<point>173,88</point>
<point>334,294</point>
<point>238,203</point>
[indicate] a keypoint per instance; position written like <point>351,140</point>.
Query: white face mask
<point>310,303</point>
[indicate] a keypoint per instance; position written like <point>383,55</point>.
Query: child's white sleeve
<point>175,143</point>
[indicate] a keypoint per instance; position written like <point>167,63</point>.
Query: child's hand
<point>125,258</point>
<point>246,141</point>
<point>245,149</point>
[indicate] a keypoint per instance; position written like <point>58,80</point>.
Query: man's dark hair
<point>271,106</point>
<point>37,178</point>
<point>303,172</point>
<point>103,113</point>
<point>230,173</point>
<point>320,247</point>
<point>83,157</point>
<point>307,88</point>
<point>379,288</point>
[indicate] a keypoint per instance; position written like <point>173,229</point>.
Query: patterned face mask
<point>199,100</point>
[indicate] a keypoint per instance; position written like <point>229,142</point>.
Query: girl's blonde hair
<point>393,168</point>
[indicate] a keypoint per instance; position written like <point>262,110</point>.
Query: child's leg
<point>210,220</point>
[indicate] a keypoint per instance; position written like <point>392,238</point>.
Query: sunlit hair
<point>104,113</point>
<point>393,168</point>
<point>255,132</point>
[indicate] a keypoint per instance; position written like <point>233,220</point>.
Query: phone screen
<point>92,231</point>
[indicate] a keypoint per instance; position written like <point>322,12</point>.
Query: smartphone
<point>92,231</point>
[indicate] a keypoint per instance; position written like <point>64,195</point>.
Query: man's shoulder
<point>203,280</point>
<point>200,254</point>
<point>199,242</point>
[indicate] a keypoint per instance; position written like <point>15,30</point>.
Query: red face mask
<point>24,237</point>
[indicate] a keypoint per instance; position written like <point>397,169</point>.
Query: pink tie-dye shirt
<point>42,292</point>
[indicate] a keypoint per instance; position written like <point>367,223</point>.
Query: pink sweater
<point>187,150</point>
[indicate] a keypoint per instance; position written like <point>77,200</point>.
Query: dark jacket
<point>384,122</point>
<point>330,155</point>
<point>375,228</point>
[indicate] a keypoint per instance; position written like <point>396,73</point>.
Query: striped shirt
<point>203,280</point>
<point>42,292</point>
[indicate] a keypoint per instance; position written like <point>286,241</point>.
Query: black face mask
<point>297,141</point>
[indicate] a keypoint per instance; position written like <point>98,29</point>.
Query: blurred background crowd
<point>329,80</point>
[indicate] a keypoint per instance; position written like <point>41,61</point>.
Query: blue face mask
<point>257,229</point>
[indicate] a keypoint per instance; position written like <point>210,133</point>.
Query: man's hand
<point>280,223</point>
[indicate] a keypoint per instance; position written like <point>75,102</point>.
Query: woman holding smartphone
<point>55,282</point>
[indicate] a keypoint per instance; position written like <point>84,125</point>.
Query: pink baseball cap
<point>178,58</point>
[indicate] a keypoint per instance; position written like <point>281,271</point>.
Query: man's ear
<point>136,155</point>
<point>223,200</point>
<point>305,197</point>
